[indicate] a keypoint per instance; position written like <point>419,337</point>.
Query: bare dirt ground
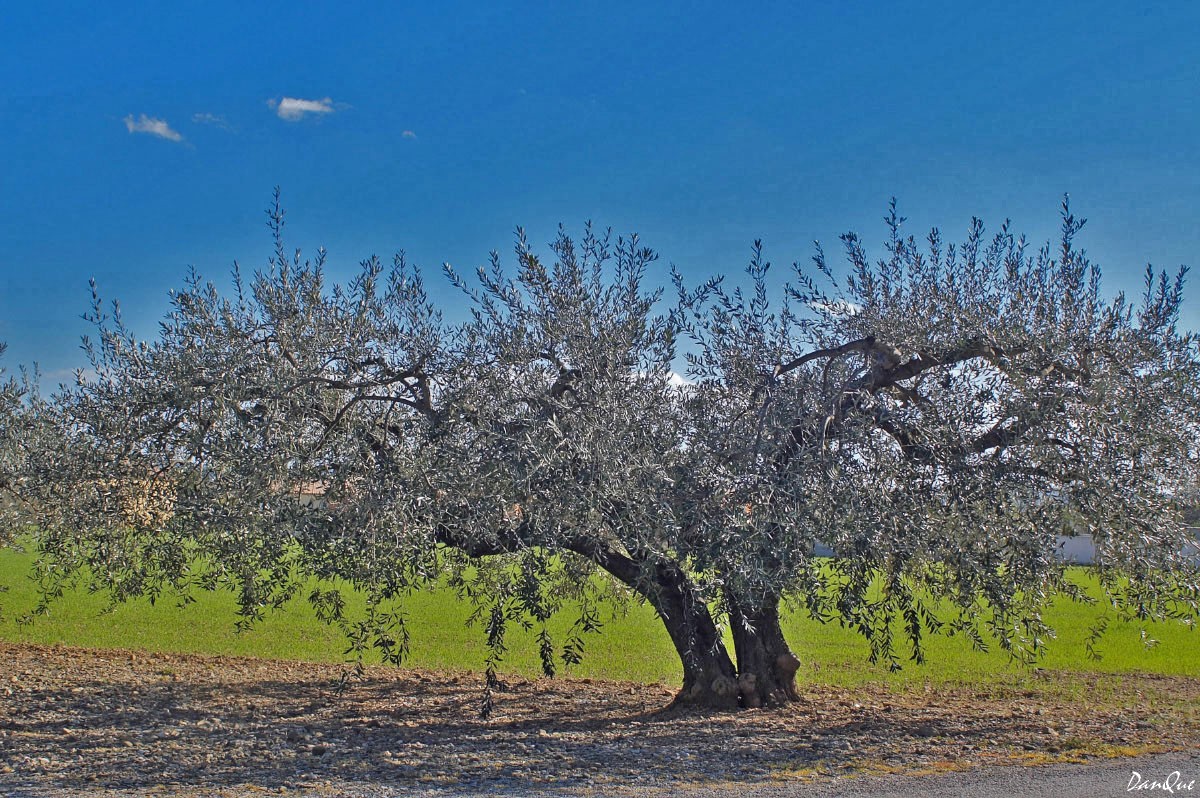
<point>76,721</point>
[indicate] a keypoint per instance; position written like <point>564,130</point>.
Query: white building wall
<point>1077,549</point>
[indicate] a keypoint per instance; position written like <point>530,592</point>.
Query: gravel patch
<point>117,723</point>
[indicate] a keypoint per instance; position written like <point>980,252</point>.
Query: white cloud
<point>293,109</point>
<point>155,127</point>
<point>408,134</point>
<point>216,120</point>
<point>677,380</point>
<point>837,307</point>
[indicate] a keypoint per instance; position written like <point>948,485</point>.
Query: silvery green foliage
<point>21,428</point>
<point>295,430</point>
<point>560,429</point>
<point>937,418</point>
<point>262,438</point>
<point>10,406</point>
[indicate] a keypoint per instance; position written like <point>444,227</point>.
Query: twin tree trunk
<point>766,668</point>
<point>765,674</point>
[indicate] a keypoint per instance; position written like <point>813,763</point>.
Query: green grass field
<point>632,646</point>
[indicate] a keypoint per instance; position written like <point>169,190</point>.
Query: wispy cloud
<point>293,109</point>
<point>216,120</point>
<point>408,134</point>
<point>155,127</point>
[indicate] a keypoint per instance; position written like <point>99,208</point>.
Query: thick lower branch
<point>709,677</point>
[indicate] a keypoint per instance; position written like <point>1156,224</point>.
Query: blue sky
<point>143,140</point>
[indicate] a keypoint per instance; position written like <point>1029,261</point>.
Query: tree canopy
<point>936,416</point>
<point>18,431</point>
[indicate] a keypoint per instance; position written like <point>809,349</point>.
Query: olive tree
<point>935,418</point>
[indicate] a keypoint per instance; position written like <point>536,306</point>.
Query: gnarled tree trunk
<point>766,665</point>
<point>709,677</point>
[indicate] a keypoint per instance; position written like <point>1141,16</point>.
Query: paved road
<point>1167,774</point>
<point>1097,779</point>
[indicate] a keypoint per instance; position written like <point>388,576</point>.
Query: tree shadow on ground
<point>425,730</point>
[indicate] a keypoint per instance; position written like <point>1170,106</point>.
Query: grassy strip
<point>633,646</point>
